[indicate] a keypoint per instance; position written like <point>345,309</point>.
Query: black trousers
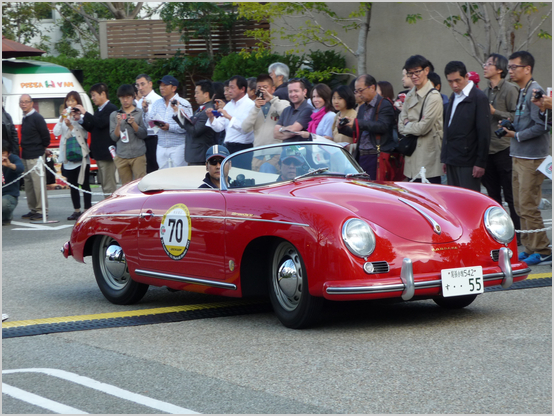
<point>151,145</point>
<point>244,161</point>
<point>498,180</point>
<point>72,177</point>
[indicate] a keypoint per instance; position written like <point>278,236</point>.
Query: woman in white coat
<point>74,156</point>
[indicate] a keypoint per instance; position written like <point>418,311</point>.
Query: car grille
<point>495,254</point>
<point>380,267</point>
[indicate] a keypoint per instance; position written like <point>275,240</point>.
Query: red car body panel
<point>310,214</point>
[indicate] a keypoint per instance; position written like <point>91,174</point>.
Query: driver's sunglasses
<point>215,161</point>
<point>291,161</point>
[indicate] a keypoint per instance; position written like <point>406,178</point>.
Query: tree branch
<point>530,35</point>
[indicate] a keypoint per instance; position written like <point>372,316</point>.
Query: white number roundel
<point>175,231</point>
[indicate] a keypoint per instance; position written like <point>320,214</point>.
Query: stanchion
<point>42,176</point>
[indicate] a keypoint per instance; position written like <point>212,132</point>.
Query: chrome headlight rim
<point>503,239</point>
<point>349,240</point>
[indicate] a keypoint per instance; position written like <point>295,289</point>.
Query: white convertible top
<point>173,179</point>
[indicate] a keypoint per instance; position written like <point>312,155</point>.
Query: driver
<point>214,158</point>
<point>290,160</point>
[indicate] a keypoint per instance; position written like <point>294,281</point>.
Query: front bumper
<point>66,249</point>
<point>406,287</point>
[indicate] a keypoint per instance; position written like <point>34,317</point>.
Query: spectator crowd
<point>496,137</point>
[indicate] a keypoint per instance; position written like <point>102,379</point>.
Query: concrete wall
<point>391,41</point>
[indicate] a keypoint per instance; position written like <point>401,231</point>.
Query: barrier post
<point>42,176</point>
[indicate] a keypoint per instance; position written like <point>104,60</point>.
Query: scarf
<point>316,118</point>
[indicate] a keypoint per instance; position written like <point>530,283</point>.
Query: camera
<point>216,113</point>
<point>538,94</point>
<point>74,110</point>
<point>343,121</point>
<point>174,102</point>
<point>504,123</point>
<point>260,94</point>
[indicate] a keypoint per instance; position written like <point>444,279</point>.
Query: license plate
<point>462,281</point>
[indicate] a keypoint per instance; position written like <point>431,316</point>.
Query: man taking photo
<point>529,146</point>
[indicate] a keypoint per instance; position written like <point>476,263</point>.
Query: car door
<point>182,233</point>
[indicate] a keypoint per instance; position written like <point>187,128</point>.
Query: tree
<point>485,28</point>
<point>199,20</point>
<point>19,20</point>
<point>302,25</point>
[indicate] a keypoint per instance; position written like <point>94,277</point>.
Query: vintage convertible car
<point>325,232</point>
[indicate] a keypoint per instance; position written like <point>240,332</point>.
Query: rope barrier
<point>421,173</point>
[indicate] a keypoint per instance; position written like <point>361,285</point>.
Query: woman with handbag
<point>74,153</point>
<point>420,123</point>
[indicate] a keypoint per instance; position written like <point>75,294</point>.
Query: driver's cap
<point>217,150</point>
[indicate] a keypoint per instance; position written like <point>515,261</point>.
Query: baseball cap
<point>291,152</point>
<point>474,76</point>
<point>217,150</point>
<point>169,80</point>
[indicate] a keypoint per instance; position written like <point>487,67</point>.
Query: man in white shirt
<point>143,82</point>
<point>231,119</point>
<point>170,151</point>
<point>467,132</point>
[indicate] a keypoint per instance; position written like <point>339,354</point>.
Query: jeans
<point>9,202</point>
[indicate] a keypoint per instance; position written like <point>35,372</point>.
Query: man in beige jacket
<point>262,119</point>
<point>428,128</point>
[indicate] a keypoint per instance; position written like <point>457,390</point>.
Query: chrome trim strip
<point>185,279</point>
<point>116,215</point>
<point>435,225</point>
<point>252,219</point>
<point>365,290</point>
<point>407,276</point>
<point>506,267</point>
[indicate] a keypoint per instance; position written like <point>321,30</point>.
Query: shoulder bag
<point>73,152</point>
<point>407,143</point>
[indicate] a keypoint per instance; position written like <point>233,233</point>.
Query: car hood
<point>412,216</point>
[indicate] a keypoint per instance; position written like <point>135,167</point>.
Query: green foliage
<point>113,72</point>
<point>19,20</point>
<point>413,18</point>
<point>182,66</point>
<point>245,64</point>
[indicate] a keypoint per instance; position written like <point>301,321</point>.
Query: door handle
<point>147,215</point>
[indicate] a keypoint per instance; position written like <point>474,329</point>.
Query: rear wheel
<point>288,289</point>
<point>455,302</point>
<point>112,274</point>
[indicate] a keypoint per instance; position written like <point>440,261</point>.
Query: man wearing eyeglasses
<point>373,127</point>
<point>421,116</point>
<point>467,134</point>
<point>214,157</point>
<point>502,97</point>
<point>35,138</point>
<point>529,146</point>
<point>144,84</point>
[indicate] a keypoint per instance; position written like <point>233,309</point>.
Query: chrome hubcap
<point>115,261</point>
<point>287,276</point>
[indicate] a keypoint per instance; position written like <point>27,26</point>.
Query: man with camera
<point>170,151</point>
<point>502,97</point>
<point>530,145</point>
<point>262,119</point>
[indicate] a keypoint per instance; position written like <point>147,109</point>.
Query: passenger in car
<point>289,162</point>
<point>214,158</point>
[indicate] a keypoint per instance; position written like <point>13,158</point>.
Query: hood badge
<point>435,225</point>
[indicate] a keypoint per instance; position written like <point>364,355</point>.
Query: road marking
<point>40,401</point>
<point>105,388</point>
<point>38,227</point>
<point>125,314</point>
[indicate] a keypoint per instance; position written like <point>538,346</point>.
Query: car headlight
<point>499,225</point>
<point>358,237</point>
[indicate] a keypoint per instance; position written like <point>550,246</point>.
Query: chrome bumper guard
<point>408,286</point>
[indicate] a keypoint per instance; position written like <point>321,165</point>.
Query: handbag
<point>73,152</point>
<point>390,166</point>
<point>408,143</point>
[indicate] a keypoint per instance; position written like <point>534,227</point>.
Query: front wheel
<point>455,302</point>
<point>112,274</point>
<point>288,289</point>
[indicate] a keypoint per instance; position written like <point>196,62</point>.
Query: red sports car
<point>308,225</point>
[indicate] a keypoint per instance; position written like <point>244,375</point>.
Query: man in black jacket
<point>373,126</point>
<point>199,137</point>
<point>99,127</point>
<point>35,138</point>
<point>467,131</point>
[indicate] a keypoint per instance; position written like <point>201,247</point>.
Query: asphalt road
<point>493,357</point>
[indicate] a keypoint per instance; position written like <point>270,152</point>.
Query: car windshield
<point>287,162</point>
